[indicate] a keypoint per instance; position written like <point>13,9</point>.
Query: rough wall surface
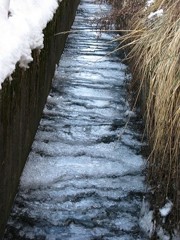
<point>21,104</point>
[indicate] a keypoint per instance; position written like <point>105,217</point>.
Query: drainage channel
<point>84,176</point>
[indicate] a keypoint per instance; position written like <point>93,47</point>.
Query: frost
<point>22,31</point>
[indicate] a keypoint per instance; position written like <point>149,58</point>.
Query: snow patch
<point>130,114</point>
<point>149,3</point>
<point>22,31</point>
<point>4,8</point>
<point>164,211</point>
<point>156,14</point>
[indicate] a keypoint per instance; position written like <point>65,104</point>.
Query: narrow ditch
<point>84,176</point>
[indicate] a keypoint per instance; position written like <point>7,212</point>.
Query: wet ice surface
<point>83,179</point>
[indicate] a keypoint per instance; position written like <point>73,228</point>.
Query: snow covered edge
<point>22,31</point>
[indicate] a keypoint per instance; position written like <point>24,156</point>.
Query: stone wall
<point>21,104</point>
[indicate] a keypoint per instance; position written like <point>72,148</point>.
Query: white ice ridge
<point>22,31</point>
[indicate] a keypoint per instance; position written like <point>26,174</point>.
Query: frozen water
<point>84,176</point>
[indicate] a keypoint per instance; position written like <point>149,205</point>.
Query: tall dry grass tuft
<point>154,52</point>
<point>122,11</point>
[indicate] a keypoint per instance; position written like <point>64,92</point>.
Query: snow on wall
<point>4,7</point>
<point>22,31</point>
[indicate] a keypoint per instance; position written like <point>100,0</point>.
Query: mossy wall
<point>21,104</point>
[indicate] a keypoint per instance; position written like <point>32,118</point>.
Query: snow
<point>154,14</point>
<point>4,7</point>
<point>164,211</point>
<point>157,13</point>
<point>148,223</point>
<point>130,114</point>
<point>22,31</point>
<point>149,2</point>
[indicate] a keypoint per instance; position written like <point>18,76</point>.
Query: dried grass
<point>122,12</point>
<point>156,56</point>
<point>155,53</point>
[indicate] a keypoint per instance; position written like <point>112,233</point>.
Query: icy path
<point>83,181</point>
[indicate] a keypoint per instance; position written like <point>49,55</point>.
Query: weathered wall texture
<point>21,104</point>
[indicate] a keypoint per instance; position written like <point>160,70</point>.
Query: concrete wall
<point>21,104</point>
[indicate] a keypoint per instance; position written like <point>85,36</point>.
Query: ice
<point>43,171</point>
<point>82,180</point>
